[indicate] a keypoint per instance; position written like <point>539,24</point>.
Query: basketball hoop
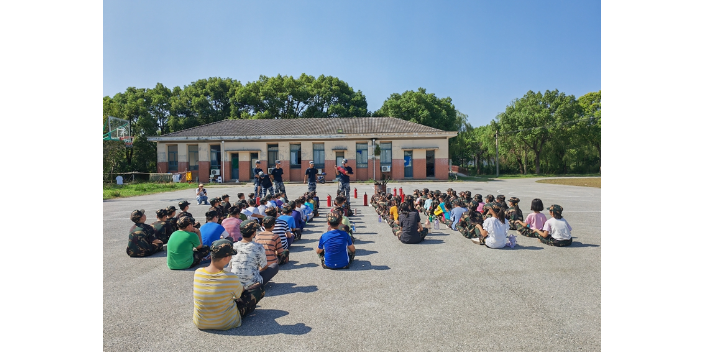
<point>127,140</point>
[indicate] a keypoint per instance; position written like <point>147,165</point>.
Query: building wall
<point>347,147</point>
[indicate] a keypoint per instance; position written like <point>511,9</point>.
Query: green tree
<point>535,118</point>
<point>333,97</point>
<point>160,97</point>
<point>423,108</point>
<point>589,129</point>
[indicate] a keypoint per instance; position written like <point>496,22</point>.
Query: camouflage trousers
<point>470,231</point>
<point>199,254</point>
<point>526,231</point>
<point>311,186</point>
<point>249,298</point>
<point>267,189</point>
<point>512,225</point>
<point>283,257</point>
<point>321,255</point>
<point>279,187</point>
<point>553,242</point>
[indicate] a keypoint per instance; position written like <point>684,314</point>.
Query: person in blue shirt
<point>335,247</point>
<point>457,212</point>
<point>211,231</point>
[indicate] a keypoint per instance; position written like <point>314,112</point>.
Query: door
<point>235,165</point>
<point>408,163</point>
<point>338,158</point>
<point>429,163</point>
<point>253,162</point>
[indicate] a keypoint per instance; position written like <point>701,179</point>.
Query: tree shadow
<point>292,264</point>
<point>359,252</point>
<point>278,289</point>
<point>359,265</point>
<point>252,325</point>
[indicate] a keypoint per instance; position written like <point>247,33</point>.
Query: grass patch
<point>111,191</point>
<point>582,182</point>
<point>486,178</point>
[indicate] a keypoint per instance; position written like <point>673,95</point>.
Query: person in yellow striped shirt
<point>219,300</point>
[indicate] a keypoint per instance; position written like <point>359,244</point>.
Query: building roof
<point>303,127</point>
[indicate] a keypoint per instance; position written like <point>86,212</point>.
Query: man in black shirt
<point>265,183</point>
<point>311,174</point>
<point>278,181</point>
<point>257,170</point>
<point>345,178</point>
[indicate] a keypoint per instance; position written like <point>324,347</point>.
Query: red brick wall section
<point>285,165</point>
<point>361,174</point>
<point>226,172</point>
<point>329,170</point>
<point>441,168</point>
<point>162,167</point>
<point>203,171</point>
<point>419,172</point>
<point>264,165</point>
<point>244,171</point>
<point>397,169</point>
<point>296,175</point>
<point>182,166</point>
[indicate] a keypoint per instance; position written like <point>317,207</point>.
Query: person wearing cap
<point>162,228</point>
<point>501,201</point>
<point>494,230</point>
<point>171,218</point>
<point>256,171</point>
<point>343,173</point>
<point>185,205</point>
<point>225,205</point>
<point>277,172</point>
<point>311,175</point>
<point>215,206</point>
<point>456,213</point>
<point>232,223</point>
<point>480,201</point>
<point>211,284</point>
<point>185,247</point>
<point>275,252</point>
<point>249,264</point>
<point>212,231</point>
<point>201,195</point>
<point>142,240</point>
<point>487,205</point>
<point>513,213</point>
<point>556,231</point>
<point>335,247</point>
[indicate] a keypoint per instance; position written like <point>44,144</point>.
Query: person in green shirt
<point>185,247</point>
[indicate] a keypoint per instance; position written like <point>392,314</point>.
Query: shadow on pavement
<point>431,241</point>
<point>263,322</point>
<point>278,289</point>
<point>358,241</point>
<point>358,265</point>
<point>580,244</point>
<point>292,264</point>
<point>519,246</point>
<point>359,252</point>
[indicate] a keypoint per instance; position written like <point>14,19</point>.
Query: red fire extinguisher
<point>400,191</point>
<point>355,193</point>
<point>329,201</point>
<point>365,199</point>
<point>394,191</point>
<point>258,201</point>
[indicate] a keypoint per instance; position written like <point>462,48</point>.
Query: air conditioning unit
<point>386,168</point>
<point>215,172</point>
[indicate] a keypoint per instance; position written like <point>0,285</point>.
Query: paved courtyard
<point>445,294</point>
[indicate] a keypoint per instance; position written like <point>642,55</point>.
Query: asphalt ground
<point>445,294</point>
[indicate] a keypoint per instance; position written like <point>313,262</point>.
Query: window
<point>362,158</point>
<point>193,157</point>
<point>295,156</point>
<point>173,158</point>
<point>319,155</point>
<point>385,154</point>
<point>215,156</point>
<point>272,154</point>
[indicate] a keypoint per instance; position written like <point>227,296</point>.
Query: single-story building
<point>229,148</point>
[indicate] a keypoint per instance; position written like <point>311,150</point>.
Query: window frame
<point>295,162</point>
<point>363,157</point>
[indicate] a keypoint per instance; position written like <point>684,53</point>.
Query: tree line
<point>565,140</point>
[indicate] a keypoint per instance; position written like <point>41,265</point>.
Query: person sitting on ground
<point>306,212</point>
<point>252,211</point>
<point>232,223</point>
<point>171,217</point>
<point>556,231</point>
<point>215,206</point>
<point>309,203</point>
<point>142,240</point>
<point>211,231</point>
<point>501,201</point>
<point>335,248</point>
<point>201,195</point>
<point>410,229</point>
<point>346,229</point>
<point>275,252</point>
<point>489,202</point>
<point>456,213</point>
<point>277,199</point>
<point>478,198</point>
<point>296,218</point>
<point>162,227</point>
<point>185,205</point>
<point>185,248</point>
<point>225,205</point>
<point>513,213</point>
<point>281,228</point>
<point>534,221</point>
<point>494,230</point>
<point>262,206</point>
<point>286,216</point>
<point>467,225</point>
<point>243,205</point>
<point>444,214</point>
<point>249,264</point>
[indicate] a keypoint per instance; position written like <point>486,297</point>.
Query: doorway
<point>235,166</point>
<point>429,163</point>
<point>408,163</point>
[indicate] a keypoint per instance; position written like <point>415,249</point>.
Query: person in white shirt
<point>494,229</point>
<point>556,231</point>
<point>252,211</point>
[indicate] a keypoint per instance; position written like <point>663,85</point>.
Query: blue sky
<point>481,54</point>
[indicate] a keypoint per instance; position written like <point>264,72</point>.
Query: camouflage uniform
<point>162,230</point>
<point>140,241</point>
<point>513,214</point>
<point>501,201</point>
<point>485,211</point>
<point>468,222</point>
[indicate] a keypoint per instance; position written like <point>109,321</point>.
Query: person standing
<point>311,174</point>
<point>256,171</point>
<point>265,184</point>
<point>278,180</point>
<point>142,241</point>
<point>345,178</point>
<point>201,195</point>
